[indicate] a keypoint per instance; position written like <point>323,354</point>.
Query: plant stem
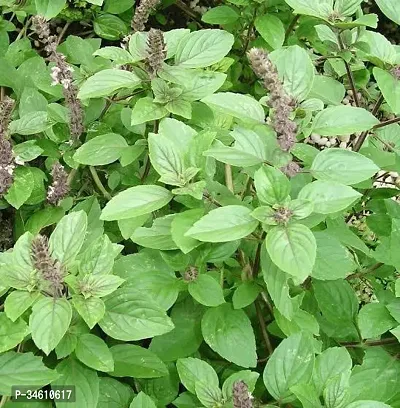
<point>291,26</point>
<point>4,400</point>
<point>187,10</point>
<point>99,184</point>
<point>148,162</point>
<point>264,332</point>
<point>257,259</point>
<point>228,177</point>
<point>371,343</point>
<point>349,73</point>
<point>64,30</point>
<point>387,123</point>
<point>249,30</point>
<point>365,271</point>
<point>71,176</point>
<point>24,29</point>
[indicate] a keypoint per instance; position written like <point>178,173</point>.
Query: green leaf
<point>291,363</point>
<point>92,310</point>
<point>378,365</point>
<point>18,369</point>
<point>98,259</point>
<point>104,149</point>
<point>271,30</point>
<point>181,224</point>
<point>293,249</point>
<point>224,224</point>
<point>93,352</point>
<point>220,15</point>
<point>336,300</point>
<point>390,88</point>
<point>313,8</point>
<point>278,287</point>
<point>162,287</point>
<point>368,404</point>
<point>158,236</point>
<point>67,239</point>
<point>22,187</point>
<point>136,201</point>
<point>17,302</point>
<point>245,294</point>
<point>390,8</point>
<point>328,196</point>
<point>296,70</point>
<point>240,106</point>
<point>203,48</point>
<point>380,50</point>
<point>164,156</point>
<point>248,149</point>
<point>336,392</point>
<point>328,90</point>
<point>347,7</point>
<point>207,291</point>
<point>109,27</point>
<point>142,401</point>
<point>106,82</point>
<point>114,394</point>
<point>307,395</point>
<point>137,362</point>
<point>193,370</point>
<point>117,54</point>
<point>132,315</point>
<point>49,8</point>
<point>27,151</point>
<point>229,333</point>
<point>49,322</point>
<point>209,395</point>
<point>330,363</point>
<point>84,379</point>
<point>342,166</point>
<point>185,338</point>
<point>272,186</point>
<point>146,110</point>
<point>333,260</point>
<point>11,332</point>
<point>343,120</point>
<point>374,319</point>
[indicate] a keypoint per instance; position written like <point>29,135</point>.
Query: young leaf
<point>229,333</point>
<point>180,225</point>
<point>220,15</point>
<point>207,291</point>
<point>67,239</point>
<point>92,310</point>
<point>192,370</point>
<point>293,249</point>
<point>224,224</point>
<point>272,186</point>
<point>142,401</point>
<point>136,201</point>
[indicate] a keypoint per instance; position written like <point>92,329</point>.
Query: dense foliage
<point>198,203</point>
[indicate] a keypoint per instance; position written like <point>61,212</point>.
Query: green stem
<point>99,184</point>
<point>291,26</point>
<point>263,327</point>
